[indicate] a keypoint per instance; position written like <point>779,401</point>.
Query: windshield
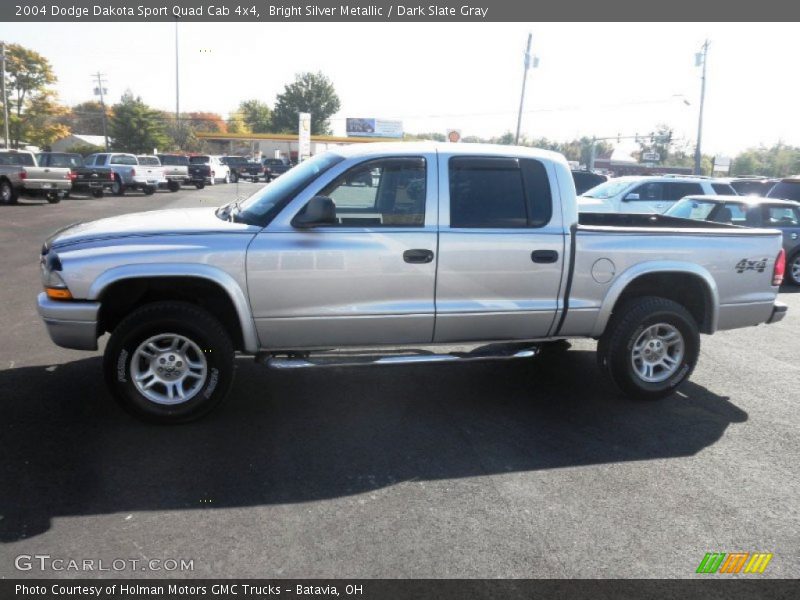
<point>199,160</point>
<point>172,160</point>
<point>65,160</point>
<point>786,190</point>
<point>123,159</point>
<point>149,161</point>
<point>264,203</point>
<point>607,189</point>
<point>235,160</point>
<point>691,209</point>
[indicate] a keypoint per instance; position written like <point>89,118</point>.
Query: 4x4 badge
<point>746,264</point>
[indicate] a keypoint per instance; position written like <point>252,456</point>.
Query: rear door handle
<point>418,256</point>
<point>544,256</point>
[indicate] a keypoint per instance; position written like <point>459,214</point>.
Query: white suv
<point>648,194</point>
<point>218,170</point>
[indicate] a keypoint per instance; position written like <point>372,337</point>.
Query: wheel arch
<point>190,282</point>
<point>689,284</point>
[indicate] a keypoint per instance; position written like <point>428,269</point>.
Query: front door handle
<point>418,256</point>
<point>544,256</point>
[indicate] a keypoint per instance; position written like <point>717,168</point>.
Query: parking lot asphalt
<point>532,468</point>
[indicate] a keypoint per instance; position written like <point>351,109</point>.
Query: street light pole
<point>700,59</point>
<point>3,84</point>
<point>177,78</point>
<point>524,79</point>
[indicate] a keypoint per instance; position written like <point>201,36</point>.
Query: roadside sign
<point>304,140</point>
<point>722,164</point>
<point>651,156</point>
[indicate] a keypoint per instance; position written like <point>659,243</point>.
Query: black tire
<point>149,190</point>
<point>234,177</point>
<point>53,197</point>
<point>65,196</point>
<point>199,186</point>
<point>117,188</point>
<point>792,271</point>
<point>98,193</point>
<point>173,186</point>
<point>627,324</point>
<point>169,318</point>
<point>8,195</point>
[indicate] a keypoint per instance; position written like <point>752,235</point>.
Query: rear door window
<point>675,190</point>
<point>781,216</point>
<point>649,192</point>
<point>498,193</point>
<point>723,189</point>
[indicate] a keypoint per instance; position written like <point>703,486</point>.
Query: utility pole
<point>3,84</point>
<point>524,79</point>
<point>100,91</point>
<point>177,79</point>
<point>700,59</point>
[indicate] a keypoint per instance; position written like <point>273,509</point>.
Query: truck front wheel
<point>169,362</point>
<point>117,188</point>
<point>649,348</point>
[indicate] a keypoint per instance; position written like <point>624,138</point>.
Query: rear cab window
<point>498,193</point>
<point>123,159</point>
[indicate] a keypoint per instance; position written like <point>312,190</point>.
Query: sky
<point>601,79</point>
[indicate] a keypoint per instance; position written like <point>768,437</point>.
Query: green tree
<point>433,135</point>
<point>779,160</point>
<point>136,127</point>
<point>35,116</point>
<point>86,118</point>
<point>255,115</point>
<point>309,92</point>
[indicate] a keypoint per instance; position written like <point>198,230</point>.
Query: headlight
<point>54,285</point>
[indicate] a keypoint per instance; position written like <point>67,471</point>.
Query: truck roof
<point>368,149</point>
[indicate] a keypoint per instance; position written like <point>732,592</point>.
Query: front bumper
<point>778,312</point>
<point>70,324</point>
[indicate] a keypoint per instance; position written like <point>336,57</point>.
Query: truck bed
<point>654,221</point>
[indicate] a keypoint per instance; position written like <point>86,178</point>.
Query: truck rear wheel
<point>53,197</point>
<point>97,193</point>
<point>117,188</point>
<point>793,269</point>
<point>649,348</point>
<point>149,190</point>
<point>8,195</point>
<point>173,186</point>
<point>169,362</point>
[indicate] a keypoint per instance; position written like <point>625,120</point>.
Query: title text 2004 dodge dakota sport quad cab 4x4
<point>451,244</point>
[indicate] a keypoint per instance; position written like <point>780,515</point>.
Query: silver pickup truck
<point>400,246</point>
<point>20,175</point>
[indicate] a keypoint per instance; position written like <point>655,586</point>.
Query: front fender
<point>648,268</point>
<point>218,276</point>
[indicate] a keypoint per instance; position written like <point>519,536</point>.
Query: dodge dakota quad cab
<point>85,180</point>
<point>454,244</point>
<point>21,176</point>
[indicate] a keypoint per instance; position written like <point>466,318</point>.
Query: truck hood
<point>182,221</point>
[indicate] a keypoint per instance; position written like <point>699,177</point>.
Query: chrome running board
<point>345,360</point>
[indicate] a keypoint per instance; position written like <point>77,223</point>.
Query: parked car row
<point>54,175</point>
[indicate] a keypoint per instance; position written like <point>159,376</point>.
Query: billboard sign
<point>369,127</point>
<point>304,129</point>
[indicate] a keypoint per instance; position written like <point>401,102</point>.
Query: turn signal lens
<point>58,293</point>
<point>780,268</point>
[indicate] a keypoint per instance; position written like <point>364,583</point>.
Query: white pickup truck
<point>20,175</point>
<point>400,246</point>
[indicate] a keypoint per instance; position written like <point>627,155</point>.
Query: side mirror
<point>630,197</point>
<point>320,210</point>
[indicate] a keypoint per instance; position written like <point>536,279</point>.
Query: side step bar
<point>344,360</point>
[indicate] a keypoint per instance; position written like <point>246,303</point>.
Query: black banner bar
<point>386,589</point>
<point>392,11</point>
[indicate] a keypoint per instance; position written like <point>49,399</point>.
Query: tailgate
<point>47,177</point>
